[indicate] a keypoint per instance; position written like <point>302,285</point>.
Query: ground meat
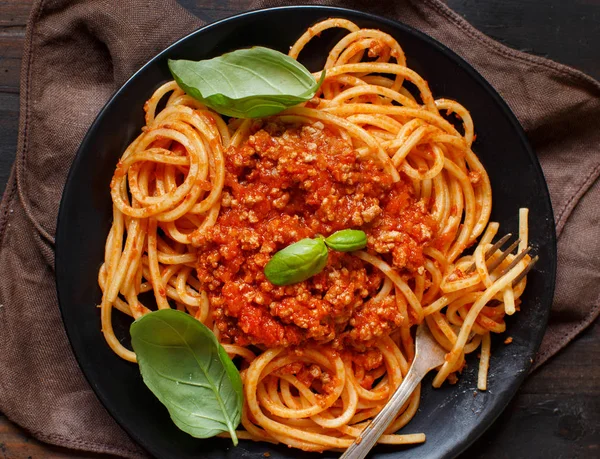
<point>368,360</point>
<point>310,375</point>
<point>364,363</point>
<point>286,183</point>
<point>374,320</point>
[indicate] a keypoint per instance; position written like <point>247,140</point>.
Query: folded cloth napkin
<point>77,53</point>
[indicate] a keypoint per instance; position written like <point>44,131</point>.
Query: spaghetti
<point>200,205</point>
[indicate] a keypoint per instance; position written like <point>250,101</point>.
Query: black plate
<point>452,417</point>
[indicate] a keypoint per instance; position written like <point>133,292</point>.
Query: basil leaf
<point>347,240</point>
<point>297,262</point>
<point>247,83</point>
<point>187,369</point>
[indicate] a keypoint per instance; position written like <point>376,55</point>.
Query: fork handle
<point>371,433</point>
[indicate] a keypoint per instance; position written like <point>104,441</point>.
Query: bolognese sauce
<point>287,182</point>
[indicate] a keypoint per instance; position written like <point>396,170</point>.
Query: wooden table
<point>556,413</point>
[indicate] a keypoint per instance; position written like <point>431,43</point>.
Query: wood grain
<point>567,31</point>
<point>556,413</point>
<point>17,444</point>
<point>9,124</point>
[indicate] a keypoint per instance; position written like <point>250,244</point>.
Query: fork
<point>492,266</point>
<point>429,354</point>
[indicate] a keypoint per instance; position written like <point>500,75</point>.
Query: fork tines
<point>492,250</point>
<point>526,270</point>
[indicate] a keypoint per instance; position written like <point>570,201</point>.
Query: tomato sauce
<point>288,182</point>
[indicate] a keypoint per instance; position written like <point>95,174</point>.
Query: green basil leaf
<point>187,369</point>
<point>297,262</point>
<point>347,240</point>
<point>247,83</point>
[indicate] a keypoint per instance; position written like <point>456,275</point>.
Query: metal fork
<point>493,265</point>
<point>428,355</point>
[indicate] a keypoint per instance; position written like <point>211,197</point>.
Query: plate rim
<point>463,443</point>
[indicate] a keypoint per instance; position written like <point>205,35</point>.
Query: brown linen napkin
<point>78,53</point>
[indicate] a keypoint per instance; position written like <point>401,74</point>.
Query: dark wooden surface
<point>556,413</point>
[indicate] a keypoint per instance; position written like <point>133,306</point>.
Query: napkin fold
<point>78,53</point>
